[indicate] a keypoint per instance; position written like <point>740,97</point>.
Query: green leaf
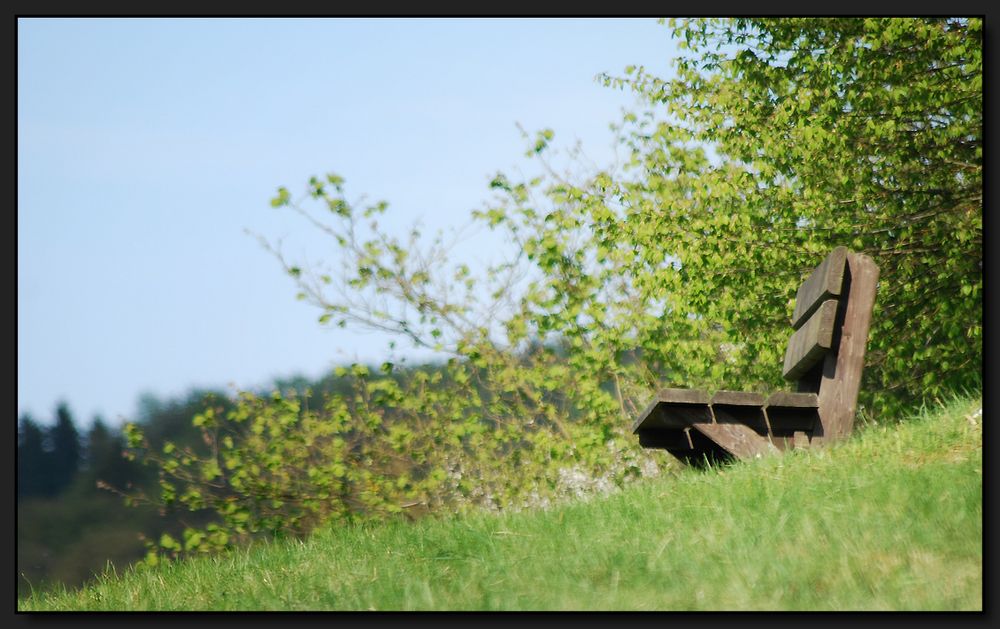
<point>282,198</point>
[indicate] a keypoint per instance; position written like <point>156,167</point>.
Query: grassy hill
<point>889,520</point>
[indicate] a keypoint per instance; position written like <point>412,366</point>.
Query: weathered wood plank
<point>808,345</point>
<point>737,398</point>
<point>791,399</point>
<point>737,439</point>
<point>740,407</point>
<point>644,416</point>
<point>782,443</point>
<point>841,379</point>
<point>826,281</point>
<point>668,440</point>
<point>673,409</point>
<point>787,412</point>
<point>683,396</point>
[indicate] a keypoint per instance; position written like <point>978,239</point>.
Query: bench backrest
<point>826,352</point>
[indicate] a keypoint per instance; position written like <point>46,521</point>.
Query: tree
<point>171,419</point>
<point>64,457</point>
<point>778,140</point>
<point>105,464</point>
<point>30,459</point>
<point>861,132</point>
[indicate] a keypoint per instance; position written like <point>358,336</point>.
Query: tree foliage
<point>31,458</point>
<point>48,458</point>
<point>858,132</point>
<point>64,461</point>
<point>69,526</point>
<point>776,141</point>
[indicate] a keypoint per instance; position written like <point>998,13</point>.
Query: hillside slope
<point>890,519</point>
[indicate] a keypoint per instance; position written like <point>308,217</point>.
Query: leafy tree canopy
<point>847,131</point>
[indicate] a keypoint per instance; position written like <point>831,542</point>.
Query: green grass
<point>888,520</point>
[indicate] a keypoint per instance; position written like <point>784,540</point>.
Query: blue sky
<point>147,147</point>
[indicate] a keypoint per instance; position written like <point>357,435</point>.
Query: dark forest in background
<point>70,526</point>
<point>72,520</point>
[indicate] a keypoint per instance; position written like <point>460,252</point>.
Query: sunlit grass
<point>889,520</point>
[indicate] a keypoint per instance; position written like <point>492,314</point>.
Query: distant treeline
<point>72,518</point>
<point>50,459</point>
<point>71,522</point>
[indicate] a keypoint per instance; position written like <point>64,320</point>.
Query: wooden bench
<point>824,359</point>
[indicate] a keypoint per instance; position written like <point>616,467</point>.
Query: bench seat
<point>824,358</point>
